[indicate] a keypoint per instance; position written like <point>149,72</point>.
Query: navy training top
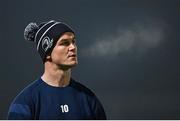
<point>42,101</point>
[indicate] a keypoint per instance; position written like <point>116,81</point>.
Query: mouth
<point>73,55</point>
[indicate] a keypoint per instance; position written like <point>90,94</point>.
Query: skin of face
<point>64,54</point>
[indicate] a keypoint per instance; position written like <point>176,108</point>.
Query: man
<point>55,95</point>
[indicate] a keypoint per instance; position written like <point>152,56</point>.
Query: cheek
<point>58,53</point>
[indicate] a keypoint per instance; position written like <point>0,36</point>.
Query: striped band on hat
<point>43,27</point>
<point>45,33</point>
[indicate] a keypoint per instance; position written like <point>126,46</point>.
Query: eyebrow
<point>62,40</point>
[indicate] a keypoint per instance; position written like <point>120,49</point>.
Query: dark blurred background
<point>129,52</point>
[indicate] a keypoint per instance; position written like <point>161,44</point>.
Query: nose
<point>72,47</point>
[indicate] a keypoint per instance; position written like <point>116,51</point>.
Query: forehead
<point>67,35</point>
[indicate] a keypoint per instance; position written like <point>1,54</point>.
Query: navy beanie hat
<point>45,35</point>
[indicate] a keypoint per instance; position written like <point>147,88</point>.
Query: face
<point>64,54</point>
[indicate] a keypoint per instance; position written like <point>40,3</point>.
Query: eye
<point>74,41</point>
<point>65,43</point>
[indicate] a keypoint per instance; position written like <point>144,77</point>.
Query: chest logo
<point>64,108</point>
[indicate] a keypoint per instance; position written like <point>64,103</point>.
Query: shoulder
<point>81,88</point>
<point>94,103</point>
<point>34,85</point>
<point>28,91</point>
<point>23,105</point>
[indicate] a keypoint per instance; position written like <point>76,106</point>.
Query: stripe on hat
<point>45,33</point>
<point>42,27</point>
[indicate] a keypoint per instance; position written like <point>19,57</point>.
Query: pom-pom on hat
<point>45,35</point>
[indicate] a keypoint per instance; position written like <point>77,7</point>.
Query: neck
<point>55,76</point>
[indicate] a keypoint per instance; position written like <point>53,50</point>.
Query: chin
<point>68,66</point>
<point>73,64</point>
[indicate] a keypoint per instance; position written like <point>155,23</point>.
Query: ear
<point>48,58</point>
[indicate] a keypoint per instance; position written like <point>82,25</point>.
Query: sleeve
<point>19,112</point>
<point>98,110</point>
<point>21,107</point>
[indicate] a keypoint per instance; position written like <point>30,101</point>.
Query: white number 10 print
<point>64,108</point>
